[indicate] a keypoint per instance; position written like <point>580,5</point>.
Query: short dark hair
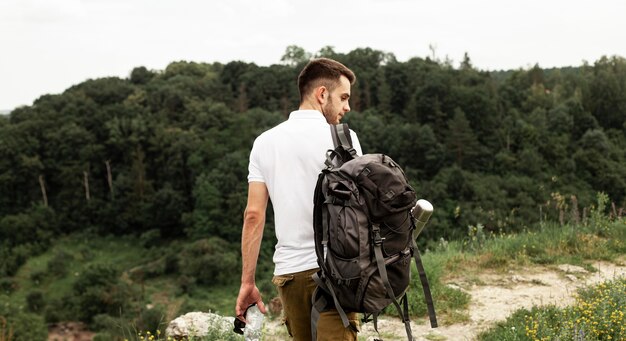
<point>322,71</point>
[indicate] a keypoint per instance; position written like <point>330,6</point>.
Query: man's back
<point>288,158</point>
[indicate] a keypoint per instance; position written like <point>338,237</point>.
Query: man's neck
<point>308,105</point>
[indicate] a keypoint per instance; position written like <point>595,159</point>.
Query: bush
<point>98,290</point>
<point>171,263</point>
<point>149,270</point>
<point>57,266</point>
<point>598,314</point>
<point>211,261</point>
<point>60,310</point>
<point>8,285</point>
<point>105,323</point>
<point>35,302</point>
<point>152,320</point>
<point>186,284</point>
<point>23,326</point>
<point>150,238</point>
<point>36,225</point>
<point>11,258</point>
<point>37,276</point>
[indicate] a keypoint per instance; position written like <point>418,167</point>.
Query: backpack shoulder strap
<point>341,137</point>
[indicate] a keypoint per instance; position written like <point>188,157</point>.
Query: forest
<point>161,157</point>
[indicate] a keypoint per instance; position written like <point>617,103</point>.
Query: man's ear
<point>321,94</point>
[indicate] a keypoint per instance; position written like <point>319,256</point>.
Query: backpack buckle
<point>352,151</point>
<point>337,201</point>
<point>377,239</point>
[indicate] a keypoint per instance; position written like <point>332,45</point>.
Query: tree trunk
<point>86,182</point>
<point>43,191</point>
<point>110,178</point>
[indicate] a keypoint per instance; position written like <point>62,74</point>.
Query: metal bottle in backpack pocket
<point>421,212</point>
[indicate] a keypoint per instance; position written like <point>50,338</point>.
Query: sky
<point>46,46</point>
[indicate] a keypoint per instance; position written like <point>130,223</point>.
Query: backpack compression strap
<point>380,262</point>
<point>320,304</point>
<point>425,286</point>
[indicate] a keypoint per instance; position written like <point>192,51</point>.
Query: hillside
<point>121,198</point>
<point>476,282</point>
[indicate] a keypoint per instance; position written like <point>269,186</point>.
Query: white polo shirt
<point>288,159</point>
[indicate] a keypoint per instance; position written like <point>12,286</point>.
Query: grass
<point>81,251</point>
<point>598,314</point>
<point>552,244</point>
<point>459,262</point>
<point>71,255</point>
<point>211,335</point>
<point>599,238</point>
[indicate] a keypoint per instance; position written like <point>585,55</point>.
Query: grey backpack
<point>364,235</point>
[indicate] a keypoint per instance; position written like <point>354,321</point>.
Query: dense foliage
<point>162,155</point>
<point>167,150</point>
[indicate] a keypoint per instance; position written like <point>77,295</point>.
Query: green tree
<point>295,55</point>
<point>462,142</point>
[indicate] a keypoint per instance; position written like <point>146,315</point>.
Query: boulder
<point>198,324</point>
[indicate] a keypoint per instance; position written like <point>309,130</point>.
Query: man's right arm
<point>252,233</point>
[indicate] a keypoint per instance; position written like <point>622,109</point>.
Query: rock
<point>571,277</point>
<point>70,331</point>
<point>572,269</point>
<point>518,279</point>
<point>198,324</point>
<point>454,286</point>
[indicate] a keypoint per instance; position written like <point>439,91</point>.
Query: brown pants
<point>296,291</point>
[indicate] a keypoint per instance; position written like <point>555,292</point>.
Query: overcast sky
<point>47,46</point>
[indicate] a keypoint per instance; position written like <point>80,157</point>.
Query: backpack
<point>364,235</point>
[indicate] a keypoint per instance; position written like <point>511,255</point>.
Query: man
<point>285,162</point>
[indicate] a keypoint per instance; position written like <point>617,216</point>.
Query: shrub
<point>98,290</point>
<point>23,326</point>
<point>37,276</point>
<point>11,258</point>
<point>211,261</point>
<point>35,302</point>
<point>598,314</point>
<point>33,226</point>
<point>60,310</point>
<point>150,238</point>
<point>7,285</point>
<point>186,284</point>
<point>149,270</point>
<point>152,320</point>
<point>105,323</point>
<point>171,263</point>
<point>58,264</point>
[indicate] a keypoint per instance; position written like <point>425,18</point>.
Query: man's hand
<point>248,294</point>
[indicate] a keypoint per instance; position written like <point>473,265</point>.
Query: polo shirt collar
<point>307,114</point>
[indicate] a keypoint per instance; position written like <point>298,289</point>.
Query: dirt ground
<point>493,298</point>
<point>70,331</point>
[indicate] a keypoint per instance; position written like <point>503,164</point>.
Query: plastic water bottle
<point>254,326</point>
